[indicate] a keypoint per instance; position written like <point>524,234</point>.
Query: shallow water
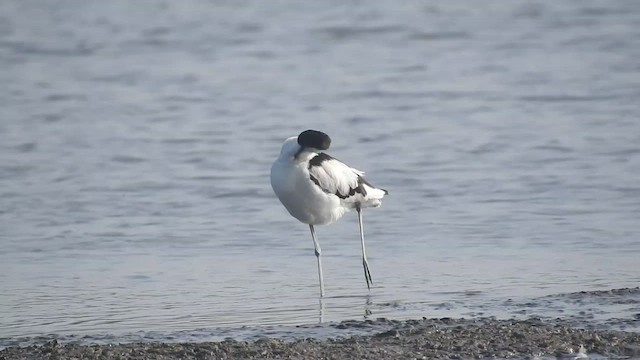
<point>137,141</point>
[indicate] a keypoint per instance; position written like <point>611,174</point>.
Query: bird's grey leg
<point>316,245</point>
<point>365,264</point>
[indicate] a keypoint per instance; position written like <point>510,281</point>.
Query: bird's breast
<point>301,197</point>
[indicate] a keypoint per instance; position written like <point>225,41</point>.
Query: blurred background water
<point>136,140</point>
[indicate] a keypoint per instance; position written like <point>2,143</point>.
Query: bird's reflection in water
<point>321,310</point>
<point>368,303</point>
<point>367,307</point>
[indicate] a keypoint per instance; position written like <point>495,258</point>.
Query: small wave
<point>566,98</point>
<point>342,32</point>
<point>439,36</point>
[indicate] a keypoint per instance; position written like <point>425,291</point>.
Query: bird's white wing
<point>335,177</point>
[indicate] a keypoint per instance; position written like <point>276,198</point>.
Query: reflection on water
<point>137,141</point>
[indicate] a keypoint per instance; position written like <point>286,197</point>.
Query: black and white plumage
<point>318,189</point>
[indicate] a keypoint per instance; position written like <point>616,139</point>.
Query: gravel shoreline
<point>413,339</point>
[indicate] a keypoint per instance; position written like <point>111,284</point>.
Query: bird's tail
<point>374,196</point>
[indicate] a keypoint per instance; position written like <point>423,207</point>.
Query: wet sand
<point>426,338</point>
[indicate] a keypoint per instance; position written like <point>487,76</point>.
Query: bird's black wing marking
<point>319,159</point>
<point>364,181</point>
<point>334,177</point>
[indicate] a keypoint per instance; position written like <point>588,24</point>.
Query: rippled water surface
<point>136,140</point>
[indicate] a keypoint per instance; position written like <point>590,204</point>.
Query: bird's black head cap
<point>314,139</point>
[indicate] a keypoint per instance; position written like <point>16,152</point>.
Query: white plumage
<point>318,189</point>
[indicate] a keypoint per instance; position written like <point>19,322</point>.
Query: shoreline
<point>425,338</point>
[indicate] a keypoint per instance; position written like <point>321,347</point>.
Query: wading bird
<point>318,189</point>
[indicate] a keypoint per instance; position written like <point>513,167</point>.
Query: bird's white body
<point>303,199</point>
<point>309,202</point>
<point>318,189</point>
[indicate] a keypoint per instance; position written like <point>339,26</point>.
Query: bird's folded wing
<point>335,177</point>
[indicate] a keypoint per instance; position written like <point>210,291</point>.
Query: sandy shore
<point>426,338</point>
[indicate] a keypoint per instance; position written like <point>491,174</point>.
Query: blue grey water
<point>136,140</point>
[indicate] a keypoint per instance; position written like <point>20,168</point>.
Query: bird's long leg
<point>365,264</point>
<point>316,245</point>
